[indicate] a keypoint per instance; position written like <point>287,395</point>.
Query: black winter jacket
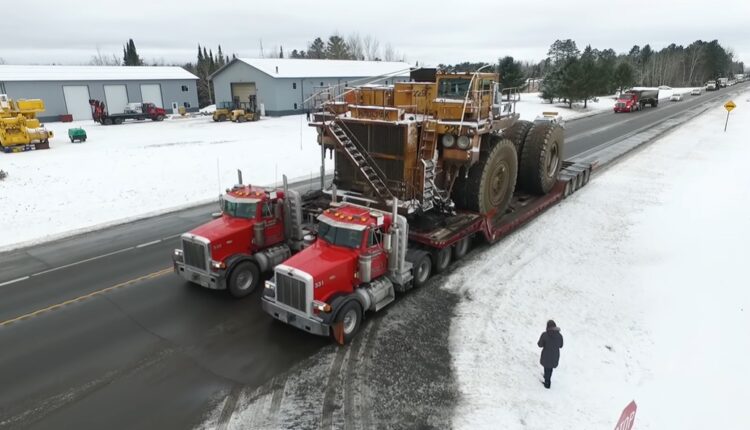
<point>550,341</point>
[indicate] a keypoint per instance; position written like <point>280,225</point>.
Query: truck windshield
<point>453,88</point>
<point>339,235</point>
<point>239,209</point>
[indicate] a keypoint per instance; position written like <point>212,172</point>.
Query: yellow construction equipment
<point>20,130</point>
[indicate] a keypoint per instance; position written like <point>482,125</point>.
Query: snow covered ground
<point>532,106</point>
<point>136,169</point>
<point>644,271</point>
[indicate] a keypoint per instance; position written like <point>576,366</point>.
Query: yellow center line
<point>86,296</point>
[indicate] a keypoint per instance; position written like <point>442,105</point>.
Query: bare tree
<point>371,47</point>
<point>2,60</point>
<point>101,59</point>
<point>389,54</point>
<point>354,42</point>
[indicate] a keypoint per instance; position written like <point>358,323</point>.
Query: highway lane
<point>155,352</point>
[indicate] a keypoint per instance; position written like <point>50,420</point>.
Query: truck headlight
<point>217,265</point>
<point>448,140</point>
<point>321,306</point>
<point>270,290</point>
<point>178,256</point>
<point>464,142</point>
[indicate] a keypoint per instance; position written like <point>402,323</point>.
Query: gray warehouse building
<point>284,86</point>
<point>67,89</point>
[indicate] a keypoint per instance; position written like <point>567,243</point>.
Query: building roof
<point>308,68</point>
<point>92,73</point>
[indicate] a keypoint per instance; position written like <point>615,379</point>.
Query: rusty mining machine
<point>451,142</point>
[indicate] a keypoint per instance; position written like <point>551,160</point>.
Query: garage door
<point>151,93</point>
<point>117,98</point>
<point>242,91</point>
<point>77,101</point>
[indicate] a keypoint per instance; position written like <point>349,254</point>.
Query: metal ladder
<point>362,160</point>
<point>429,166</point>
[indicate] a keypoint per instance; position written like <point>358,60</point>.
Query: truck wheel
<point>107,121</point>
<point>541,159</point>
<point>461,248</point>
<point>517,134</point>
<point>422,270</point>
<point>350,318</point>
<point>222,118</point>
<point>243,280</point>
<point>241,118</point>
<point>491,181</point>
<point>159,118</point>
<point>118,121</point>
<point>442,259</point>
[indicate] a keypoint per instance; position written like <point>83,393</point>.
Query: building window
<point>295,106</point>
<point>186,104</point>
<point>321,84</point>
<point>346,84</point>
<point>294,85</point>
<point>184,88</point>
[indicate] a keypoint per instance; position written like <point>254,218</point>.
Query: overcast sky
<point>70,31</point>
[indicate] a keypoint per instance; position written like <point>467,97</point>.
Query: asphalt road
<point>96,331</point>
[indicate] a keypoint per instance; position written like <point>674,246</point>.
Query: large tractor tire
<point>541,158</point>
<point>517,134</point>
<point>490,182</point>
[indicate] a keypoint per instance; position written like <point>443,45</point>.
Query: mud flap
<point>338,332</point>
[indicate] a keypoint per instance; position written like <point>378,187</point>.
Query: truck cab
<point>356,264</point>
<point>246,239</point>
<point>627,102</point>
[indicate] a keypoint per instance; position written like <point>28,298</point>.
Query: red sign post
<point>627,419</point>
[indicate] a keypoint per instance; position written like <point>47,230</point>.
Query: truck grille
<point>291,292</point>
<point>195,254</point>
<point>621,105</point>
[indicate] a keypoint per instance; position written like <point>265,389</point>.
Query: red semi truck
<point>255,230</point>
<point>634,100</point>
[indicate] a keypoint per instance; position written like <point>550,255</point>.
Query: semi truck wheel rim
<point>350,321</point>
<point>553,160</point>
<point>423,269</point>
<point>244,280</point>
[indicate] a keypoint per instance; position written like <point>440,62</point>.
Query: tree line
<point>571,75</point>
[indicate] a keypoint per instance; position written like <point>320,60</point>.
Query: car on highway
<point>696,92</point>
<point>676,97</point>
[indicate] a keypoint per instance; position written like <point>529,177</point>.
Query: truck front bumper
<point>302,322</point>
<point>214,281</point>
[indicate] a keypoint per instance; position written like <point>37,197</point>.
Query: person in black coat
<point>550,341</point>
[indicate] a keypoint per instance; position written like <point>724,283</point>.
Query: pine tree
<point>219,58</point>
<point>336,49</point>
<point>511,75</point>
<point>316,49</point>
<point>570,88</point>
<point>589,77</point>
<point>130,55</point>
<point>624,75</point>
<point>281,52</point>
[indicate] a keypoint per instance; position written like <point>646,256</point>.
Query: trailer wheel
<point>117,120</point>
<point>241,118</point>
<point>490,182</point>
<point>243,280</point>
<point>350,318</point>
<point>461,248</point>
<point>222,118</point>
<point>517,134</point>
<point>107,121</point>
<point>541,159</point>
<point>422,270</point>
<point>442,259</point>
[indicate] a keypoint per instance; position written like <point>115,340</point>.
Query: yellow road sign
<point>729,105</point>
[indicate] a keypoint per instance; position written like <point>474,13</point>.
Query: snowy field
<point>532,106</point>
<point>143,168</point>
<point>644,271</point>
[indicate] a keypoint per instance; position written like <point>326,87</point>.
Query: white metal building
<point>68,89</point>
<point>283,85</point>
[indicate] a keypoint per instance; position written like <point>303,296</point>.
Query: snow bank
<point>135,169</point>
<point>210,109</point>
<point>532,106</point>
<point>644,270</point>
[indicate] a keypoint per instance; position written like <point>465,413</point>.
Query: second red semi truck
<point>634,100</point>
